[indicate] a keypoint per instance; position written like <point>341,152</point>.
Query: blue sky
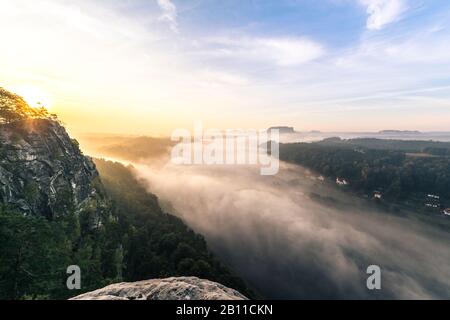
<point>346,65</point>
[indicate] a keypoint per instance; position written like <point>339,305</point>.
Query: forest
<point>397,171</point>
<point>139,242</point>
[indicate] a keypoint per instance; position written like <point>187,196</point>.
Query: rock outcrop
<point>43,172</point>
<point>185,288</point>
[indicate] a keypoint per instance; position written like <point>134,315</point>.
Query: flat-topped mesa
<point>283,129</point>
<point>43,172</point>
<point>183,288</point>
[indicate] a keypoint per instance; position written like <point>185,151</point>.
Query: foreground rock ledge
<point>185,288</point>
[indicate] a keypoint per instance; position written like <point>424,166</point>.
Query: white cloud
<point>383,12</point>
<point>218,78</point>
<point>286,51</point>
<point>169,14</point>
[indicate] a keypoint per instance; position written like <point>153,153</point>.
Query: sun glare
<point>35,97</point>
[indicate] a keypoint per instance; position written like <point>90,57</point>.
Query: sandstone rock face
<point>184,288</point>
<point>42,170</point>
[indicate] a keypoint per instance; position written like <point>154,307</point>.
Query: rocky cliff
<point>184,288</point>
<point>55,212</point>
<point>43,172</point>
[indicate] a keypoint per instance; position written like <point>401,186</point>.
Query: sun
<point>35,97</point>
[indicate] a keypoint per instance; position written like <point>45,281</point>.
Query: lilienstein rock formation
<point>44,174</point>
<point>182,288</point>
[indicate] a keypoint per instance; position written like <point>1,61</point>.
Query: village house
<point>432,201</point>
<point>341,182</point>
<point>377,195</point>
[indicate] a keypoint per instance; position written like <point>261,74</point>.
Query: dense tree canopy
<point>400,170</point>
<point>138,242</point>
<point>157,244</point>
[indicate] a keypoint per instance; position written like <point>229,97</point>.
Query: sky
<point>152,66</point>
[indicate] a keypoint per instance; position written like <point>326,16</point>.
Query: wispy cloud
<point>81,52</point>
<point>383,12</point>
<point>169,14</point>
<point>282,51</point>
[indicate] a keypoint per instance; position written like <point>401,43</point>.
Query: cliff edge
<point>183,288</point>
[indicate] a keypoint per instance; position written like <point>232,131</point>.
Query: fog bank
<point>291,236</point>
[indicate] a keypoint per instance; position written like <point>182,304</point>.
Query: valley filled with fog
<point>294,236</point>
<point>280,149</point>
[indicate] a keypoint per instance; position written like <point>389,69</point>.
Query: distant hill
<point>399,132</point>
<point>129,148</point>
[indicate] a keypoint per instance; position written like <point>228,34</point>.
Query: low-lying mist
<point>291,236</point>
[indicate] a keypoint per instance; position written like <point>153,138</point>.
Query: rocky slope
<point>43,172</point>
<point>184,288</point>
